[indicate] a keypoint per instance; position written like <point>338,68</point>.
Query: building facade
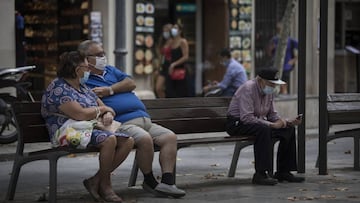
<point>243,25</point>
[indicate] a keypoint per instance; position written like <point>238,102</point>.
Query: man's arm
<point>125,85</point>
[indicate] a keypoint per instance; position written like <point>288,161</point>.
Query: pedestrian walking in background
<point>290,60</point>
<point>164,52</point>
<point>176,83</point>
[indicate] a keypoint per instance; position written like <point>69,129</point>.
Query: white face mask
<point>174,32</point>
<point>101,62</point>
<point>166,35</point>
<point>268,90</point>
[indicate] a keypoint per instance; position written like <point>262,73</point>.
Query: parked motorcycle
<point>13,87</point>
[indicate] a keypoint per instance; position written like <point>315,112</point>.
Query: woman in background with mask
<point>251,112</point>
<point>67,97</point>
<point>177,86</point>
<point>164,52</point>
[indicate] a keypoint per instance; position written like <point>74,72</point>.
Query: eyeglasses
<point>99,54</point>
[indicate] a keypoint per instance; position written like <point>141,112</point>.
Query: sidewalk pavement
<point>201,171</point>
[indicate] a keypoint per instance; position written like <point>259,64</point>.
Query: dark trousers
<point>286,155</point>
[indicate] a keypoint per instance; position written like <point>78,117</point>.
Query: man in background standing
<point>291,56</point>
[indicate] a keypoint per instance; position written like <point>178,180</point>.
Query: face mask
<point>166,35</point>
<point>101,62</point>
<point>174,32</point>
<point>85,77</point>
<point>268,90</point>
<point>225,62</point>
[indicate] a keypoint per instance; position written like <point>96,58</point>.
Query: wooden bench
<point>182,115</point>
<point>343,108</point>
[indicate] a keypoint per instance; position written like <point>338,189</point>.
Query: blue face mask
<point>85,77</point>
<point>268,90</point>
<point>225,62</point>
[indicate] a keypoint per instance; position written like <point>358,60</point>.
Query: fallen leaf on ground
<point>327,196</point>
<point>341,189</point>
<point>347,152</point>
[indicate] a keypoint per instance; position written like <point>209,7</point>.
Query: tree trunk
<point>285,32</point>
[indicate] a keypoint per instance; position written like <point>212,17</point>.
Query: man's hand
<point>101,91</point>
<point>295,121</point>
<point>281,123</point>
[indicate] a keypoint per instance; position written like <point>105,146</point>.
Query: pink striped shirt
<point>251,105</point>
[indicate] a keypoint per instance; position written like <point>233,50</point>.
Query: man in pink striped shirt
<point>251,112</point>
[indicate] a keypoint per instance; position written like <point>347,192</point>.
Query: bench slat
<point>181,126</point>
<point>157,114</point>
<point>170,103</point>
<point>343,97</point>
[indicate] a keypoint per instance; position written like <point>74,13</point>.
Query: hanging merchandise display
<point>96,33</point>
<point>144,37</point>
<point>240,34</point>
<point>51,28</point>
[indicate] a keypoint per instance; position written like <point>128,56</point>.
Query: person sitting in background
<point>235,76</point>
<point>116,90</point>
<point>251,112</point>
<point>67,97</point>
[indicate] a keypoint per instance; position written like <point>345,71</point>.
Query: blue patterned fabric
<point>59,92</point>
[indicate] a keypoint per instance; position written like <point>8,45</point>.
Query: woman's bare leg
<point>160,86</point>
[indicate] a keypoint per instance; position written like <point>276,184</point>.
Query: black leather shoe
<point>263,179</point>
<point>289,177</point>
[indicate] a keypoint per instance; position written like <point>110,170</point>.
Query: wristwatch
<point>111,91</point>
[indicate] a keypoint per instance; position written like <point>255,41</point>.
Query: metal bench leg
<point>53,178</point>
<point>356,153</point>
<point>271,172</point>
<point>238,147</point>
<point>134,173</point>
<point>235,159</point>
<point>13,180</point>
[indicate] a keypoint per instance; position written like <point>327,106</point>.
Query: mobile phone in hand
<point>299,116</point>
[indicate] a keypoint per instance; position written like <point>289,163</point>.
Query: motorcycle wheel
<point>8,131</point>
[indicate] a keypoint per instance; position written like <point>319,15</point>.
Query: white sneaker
<point>170,190</point>
<point>147,188</point>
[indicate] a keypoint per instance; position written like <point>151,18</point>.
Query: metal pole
<point>120,41</point>
<point>323,126</point>
<point>301,85</point>
<point>358,72</point>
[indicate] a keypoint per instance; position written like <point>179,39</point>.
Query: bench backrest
<point>190,115</point>
<point>31,123</point>
<point>182,115</point>
<point>343,108</point>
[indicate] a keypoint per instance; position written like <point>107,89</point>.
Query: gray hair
<point>84,46</point>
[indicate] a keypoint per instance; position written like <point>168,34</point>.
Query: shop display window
<point>50,28</point>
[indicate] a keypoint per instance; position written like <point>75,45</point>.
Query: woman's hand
<point>171,68</point>
<point>107,118</point>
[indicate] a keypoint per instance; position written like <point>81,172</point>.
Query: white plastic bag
<point>74,133</point>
